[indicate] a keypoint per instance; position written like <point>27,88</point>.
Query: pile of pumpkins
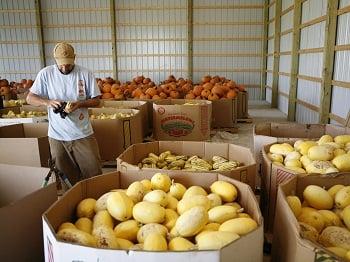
<point>11,89</point>
<point>327,155</point>
<point>210,88</point>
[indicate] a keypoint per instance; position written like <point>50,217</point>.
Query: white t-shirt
<point>79,84</point>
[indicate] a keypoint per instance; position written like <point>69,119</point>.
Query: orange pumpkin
<point>197,90</point>
<point>145,96</point>
<point>213,97</point>
<point>5,90</point>
<point>156,97</point>
<point>136,93</point>
<point>163,95</point>
<point>208,86</point>
<point>151,91</point>
<point>146,81</point>
<point>119,97</point>
<point>186,88</point>
<point>106,88</point>
<point>217,90</point>
<point>115,89</point>
<point>206,79</point>
<point>107,96</point>
<point>240,88</point>
<point>205,93</point>
<point>231,94</point>
<point>174,94</point>
<point>190,96</point>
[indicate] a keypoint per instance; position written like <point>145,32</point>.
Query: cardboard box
<point>149,103</point>
<point>272,177</point>
<point>142,106</point>
<point>114,136</point>
<point>224,113</point>
<point>242,105</point>
<point>17,110</point>
<point>173,120</point>
<point>268,133</point>
<point>64,210</point>
<point>25,144</point>
<point>22,203</point>
<point>287,242</point>
<point>129,159</point>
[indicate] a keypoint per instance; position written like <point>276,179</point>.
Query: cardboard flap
<point>93,187</point>
<point>335,130</point>
<point>12,131</point>
<point>122,104</point>
<point>21,237</point>
<point>35,130</point>
<point>111,110</point>
<point>19,181</point>
<point>28,108</point>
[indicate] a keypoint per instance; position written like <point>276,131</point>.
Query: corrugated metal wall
<point>227,41</point>
<point>19,52</point>
<point>151,39</point>
<point>84,24</point>
<point>341,78</point>
<point>285,54</point>
<point>270,49</point>
<point>310,60</point>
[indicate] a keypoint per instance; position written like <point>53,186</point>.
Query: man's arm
<point>36,100</point>
<point>92,102</point>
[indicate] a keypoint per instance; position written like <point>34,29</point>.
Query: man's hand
<point>72,106</point>
<point>53,103</point>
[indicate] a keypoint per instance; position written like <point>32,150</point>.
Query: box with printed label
<point>180,119</point>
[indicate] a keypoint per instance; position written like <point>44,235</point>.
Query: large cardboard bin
<point>129,159</point>
<point>242,105</point>
<point>139,105</point>
<point>25,144</point>
<point>224,113</point>
<point>19,120</point>
<point>267,133</point>
<point>64,210</point>
<point>22,203</point>
<point>181,120</point>
<point>115,135</point>
<point>288,245</point>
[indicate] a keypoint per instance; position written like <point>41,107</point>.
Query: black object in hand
<point>60,110</point>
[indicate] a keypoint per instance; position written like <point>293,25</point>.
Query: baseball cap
<point>64,54</point>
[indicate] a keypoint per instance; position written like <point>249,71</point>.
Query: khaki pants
<point>78,159</point>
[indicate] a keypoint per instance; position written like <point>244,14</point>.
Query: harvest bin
<point>22,203</point>
<point>288,245</point>
<point>139,105</point>
<point>272,176</point>
<point>129,159</point>
<point>267,133</point>
<point>64,210</point>
<point>115,135</point>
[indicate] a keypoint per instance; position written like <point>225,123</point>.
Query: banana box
<point>65,210</point>
<point>195,153</point>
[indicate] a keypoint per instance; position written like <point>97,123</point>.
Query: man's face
<point>65,69</point>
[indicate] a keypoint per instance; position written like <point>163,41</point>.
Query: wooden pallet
<point>247,120</point>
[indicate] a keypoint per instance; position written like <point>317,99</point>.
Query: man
<point>73,146</point>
